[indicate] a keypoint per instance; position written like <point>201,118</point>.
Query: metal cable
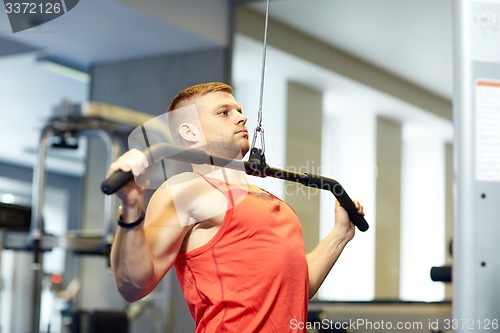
<point>259,128</point>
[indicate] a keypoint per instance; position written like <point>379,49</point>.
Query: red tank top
<point>252,276</point>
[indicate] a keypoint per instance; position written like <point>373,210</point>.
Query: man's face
<point>223,124</point>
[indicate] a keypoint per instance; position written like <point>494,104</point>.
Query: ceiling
<point>107,30</point>
<point>411,39</point>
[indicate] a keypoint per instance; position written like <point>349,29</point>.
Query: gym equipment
<point>477,154</point>
<point>256,166</point>
<point>110,123</point>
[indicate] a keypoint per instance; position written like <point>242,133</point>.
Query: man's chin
<point>227,149</point>
<point>244,150</point>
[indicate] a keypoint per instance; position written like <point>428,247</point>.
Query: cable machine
<point>255,166</point>
<point>476,301</point>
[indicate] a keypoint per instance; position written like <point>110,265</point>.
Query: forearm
<point>131,260</point>
<point>321,260</point>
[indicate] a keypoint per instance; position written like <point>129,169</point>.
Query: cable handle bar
<point>253,167</point>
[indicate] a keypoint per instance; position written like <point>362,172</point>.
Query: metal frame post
<point>476,292</point>
<point>107,134</point>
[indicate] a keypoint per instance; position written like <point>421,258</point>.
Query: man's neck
<point>228,175</point>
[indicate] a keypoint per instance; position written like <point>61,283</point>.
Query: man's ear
<point>190,132</point>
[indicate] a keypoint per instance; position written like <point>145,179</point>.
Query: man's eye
<point>224,113</point>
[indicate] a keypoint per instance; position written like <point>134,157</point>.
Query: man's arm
<point>141,256</point>
<point>321,260</point>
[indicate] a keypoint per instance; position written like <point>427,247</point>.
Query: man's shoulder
<point>182,178</point>
<point>188,184</point>
<point>191,196</point>
<point>181,190</point>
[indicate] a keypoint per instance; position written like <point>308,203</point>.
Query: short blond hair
<point>187,97</point>
<point>198,90</point>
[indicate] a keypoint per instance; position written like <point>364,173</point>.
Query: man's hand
<point>343,225</point>
<point>131,195</point>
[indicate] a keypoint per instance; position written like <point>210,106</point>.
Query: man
<point>237,249</point>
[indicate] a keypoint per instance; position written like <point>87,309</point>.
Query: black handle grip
<point>120,178</point>
<point>441,273</point>
<point>346,202</point>
<point>115,181</point>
